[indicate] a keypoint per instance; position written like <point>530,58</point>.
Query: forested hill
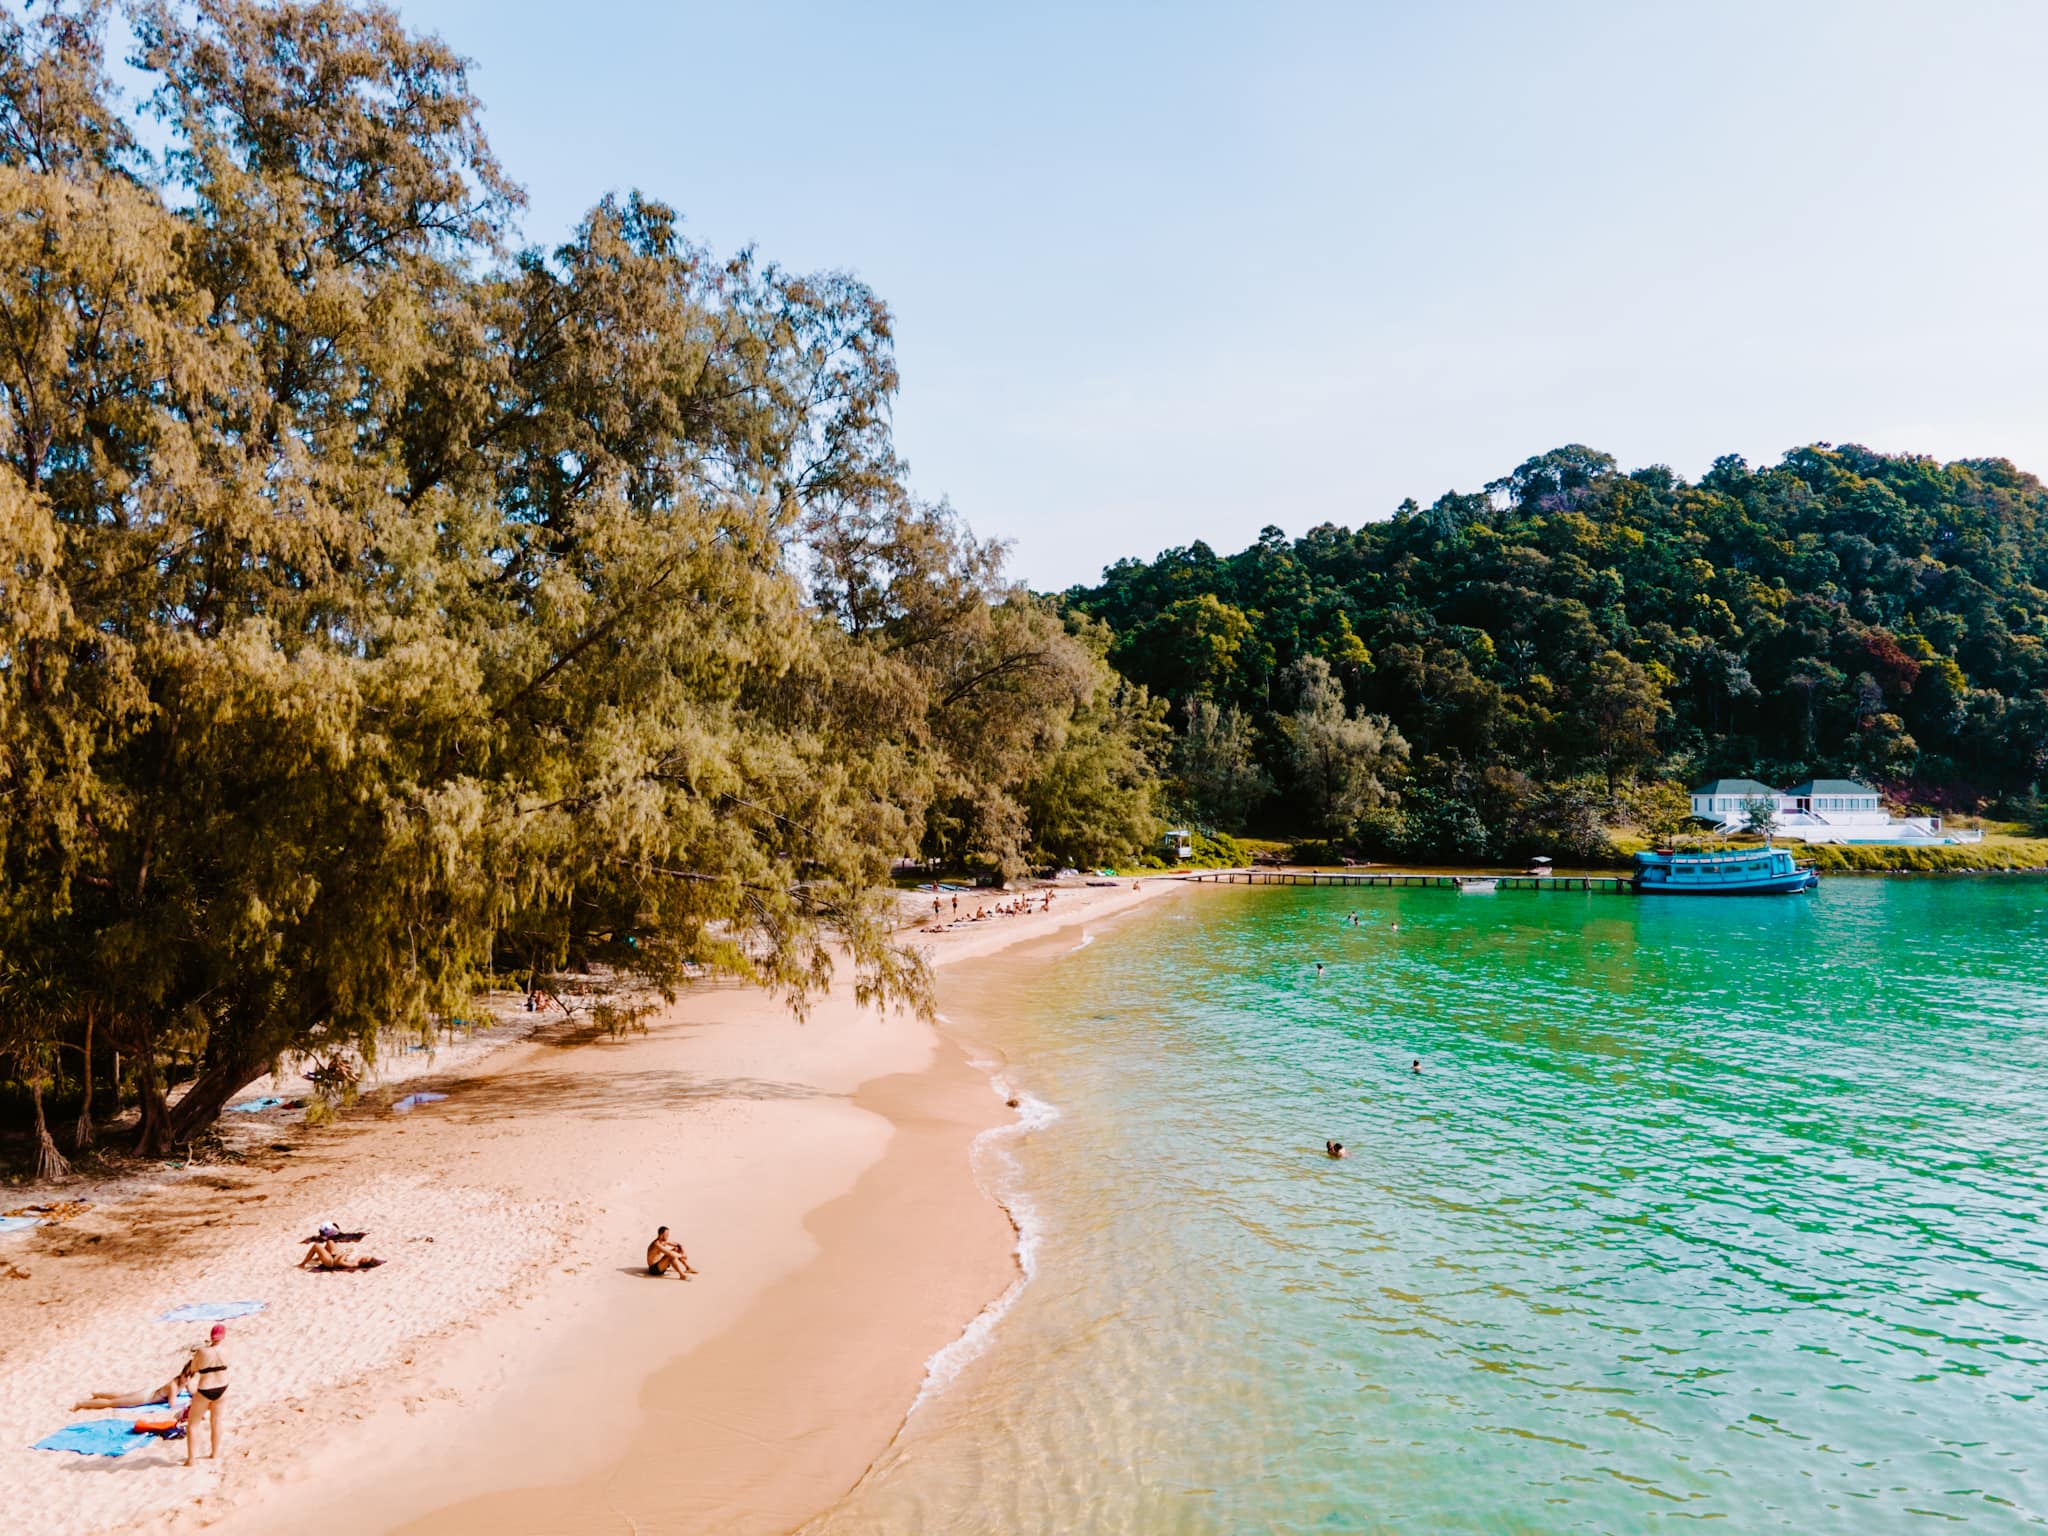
<point>1841,612</point>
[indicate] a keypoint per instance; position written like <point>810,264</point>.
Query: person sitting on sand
<point>324,1255</point>
<point>665,1255</point>
<point>209,1373</point>
<point>1335,1149</point>
<point>167,1393</point>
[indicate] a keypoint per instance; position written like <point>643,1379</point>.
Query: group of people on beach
<point>203,1377</point>
<point>1016,906</point>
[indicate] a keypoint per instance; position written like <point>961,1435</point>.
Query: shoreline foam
<point>1003,1186</point>
<point>774,1147</point>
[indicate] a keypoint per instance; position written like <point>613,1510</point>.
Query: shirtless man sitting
<point>666,1256</point>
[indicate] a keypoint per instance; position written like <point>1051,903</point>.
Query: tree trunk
<point>50,1162</point>
<point>153,1130</point>
<point>210,1091</point>
<point>81,1135</point>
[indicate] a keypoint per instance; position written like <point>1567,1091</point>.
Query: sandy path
<point>818,1173</point>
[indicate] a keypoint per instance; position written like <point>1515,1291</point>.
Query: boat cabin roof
<point>1718,854</point>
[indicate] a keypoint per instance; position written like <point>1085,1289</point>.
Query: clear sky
<point>1163,273</point>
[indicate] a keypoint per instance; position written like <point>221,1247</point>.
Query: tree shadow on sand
<point>605,1095</point>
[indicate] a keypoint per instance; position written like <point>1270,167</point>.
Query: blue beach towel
<point>412,1100</point>
<point>210,1311</point>
<point>251,1106</point>
<point>19,1223</point>
<point>96,1437</point>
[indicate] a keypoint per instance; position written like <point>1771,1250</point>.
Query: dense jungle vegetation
<point>1519,667</point>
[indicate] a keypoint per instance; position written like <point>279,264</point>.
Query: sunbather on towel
<point>324,1255</point>
<point>167,1393</point>
<point>665,1256</point>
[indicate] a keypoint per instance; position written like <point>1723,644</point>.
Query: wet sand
<point>512,1368</point>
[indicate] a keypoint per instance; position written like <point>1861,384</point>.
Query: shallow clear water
<point>1697,1210</point>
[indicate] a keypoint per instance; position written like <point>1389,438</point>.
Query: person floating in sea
<point>1354,919</point>
<point>1319,969</point>
<point>209,1373</point>
<point>1334,1149</point>
<point>665,1255</point>
<point>1418,1068</point>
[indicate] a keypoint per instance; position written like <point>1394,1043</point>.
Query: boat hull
<point>1795,884</point>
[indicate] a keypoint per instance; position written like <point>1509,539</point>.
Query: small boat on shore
<point>1763,871</point>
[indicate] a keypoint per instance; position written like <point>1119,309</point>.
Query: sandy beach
<point>511,1367</point>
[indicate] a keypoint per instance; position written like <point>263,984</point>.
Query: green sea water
<point>1696,1211</point>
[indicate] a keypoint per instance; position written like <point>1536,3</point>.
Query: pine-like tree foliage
<point>382,607</point>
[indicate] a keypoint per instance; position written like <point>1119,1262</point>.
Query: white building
<point>1726,801</point>
<point>1819,811</point>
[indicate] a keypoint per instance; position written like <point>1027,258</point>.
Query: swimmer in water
<point>1334,1149</point>
<point>1319,968</point>
<point>1417,1068</point>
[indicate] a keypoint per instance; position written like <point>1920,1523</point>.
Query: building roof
<point>1734,787</point>
<point>1814,787</point>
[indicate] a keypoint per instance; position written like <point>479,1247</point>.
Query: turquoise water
<point>1696,1211</point>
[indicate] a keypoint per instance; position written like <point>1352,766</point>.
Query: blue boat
<point>1736,872</point>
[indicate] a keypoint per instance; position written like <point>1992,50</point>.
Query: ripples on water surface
<point>1698,1210</point>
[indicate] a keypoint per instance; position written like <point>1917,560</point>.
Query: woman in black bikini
<point>209,1373</point>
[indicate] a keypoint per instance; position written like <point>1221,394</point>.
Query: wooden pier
<point>1599,885</point>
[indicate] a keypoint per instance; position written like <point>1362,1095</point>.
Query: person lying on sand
<point>665,1255</point>
<point>167,1393</point>
<point>324,1255</point>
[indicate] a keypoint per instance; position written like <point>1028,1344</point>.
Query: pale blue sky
<point>1163,273</point>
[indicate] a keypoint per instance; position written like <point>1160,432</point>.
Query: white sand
<point>508,1342</point>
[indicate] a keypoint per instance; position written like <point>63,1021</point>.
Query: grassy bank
<point>1998,851</point>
